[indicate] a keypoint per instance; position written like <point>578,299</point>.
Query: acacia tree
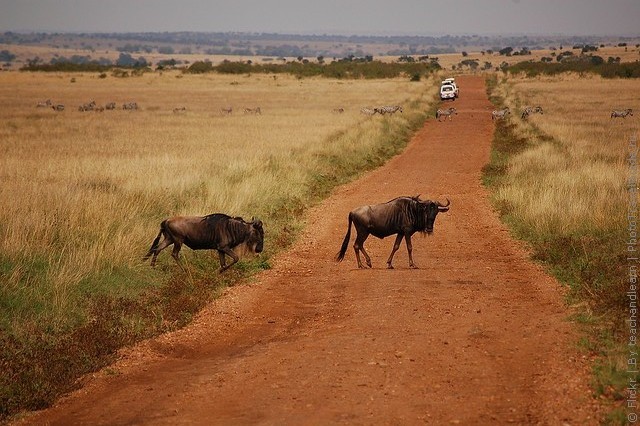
<point>6,56</point>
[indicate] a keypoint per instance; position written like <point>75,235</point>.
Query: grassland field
<point>88,189</point>
<point>560,180</point>
<point>84,194</point>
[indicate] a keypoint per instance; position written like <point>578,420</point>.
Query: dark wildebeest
<point>402,216</point>
<point>213,232</point>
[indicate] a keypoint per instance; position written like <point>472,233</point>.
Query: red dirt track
<point>477,336</point>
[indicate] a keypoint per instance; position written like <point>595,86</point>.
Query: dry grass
<point>89,189</point>
<point>583,168</point>
<point>563,188</point>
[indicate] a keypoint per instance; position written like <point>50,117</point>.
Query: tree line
<point>611,68</point>
<point>348,67</point>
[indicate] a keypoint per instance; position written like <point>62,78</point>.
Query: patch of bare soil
<point>478,335</point>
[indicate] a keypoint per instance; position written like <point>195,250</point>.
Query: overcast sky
<point>386,17</point>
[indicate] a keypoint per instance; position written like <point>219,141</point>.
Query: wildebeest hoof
<point>389,266</point>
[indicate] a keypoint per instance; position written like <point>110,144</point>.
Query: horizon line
<point>332,34</point>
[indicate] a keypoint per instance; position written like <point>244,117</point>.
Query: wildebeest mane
<point>411,212</point>
<point>220,225</point>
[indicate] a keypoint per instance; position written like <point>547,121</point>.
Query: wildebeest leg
<point>396,246</point>
<point>163,245</point>
<point>154,246</point>
<point>358,246</point>
<point>157,248</point>
<point>231,254</point>
<point>407,240</point>
<point>177,245</point>
<point>366,256</point>
<point>223,260</point>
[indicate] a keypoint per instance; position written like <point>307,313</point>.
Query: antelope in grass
<point>621,113</point>
<point>500,113</point>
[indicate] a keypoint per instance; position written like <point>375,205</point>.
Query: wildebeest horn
<point>444,207</point>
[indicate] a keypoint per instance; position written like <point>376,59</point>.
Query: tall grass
<point>560,181</point>
<point>84,194</point>
<point>581,166</point>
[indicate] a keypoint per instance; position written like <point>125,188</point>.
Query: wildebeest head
<point>256,236</point>
<point>430,210</point>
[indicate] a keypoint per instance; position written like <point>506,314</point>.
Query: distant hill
<point>18,48</point>
<point>292,45</point>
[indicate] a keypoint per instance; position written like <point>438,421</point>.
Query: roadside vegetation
<point>559,180</point>
<point>88,191</point>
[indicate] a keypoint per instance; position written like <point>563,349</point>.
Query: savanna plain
<point>561,180</point>
<point>85,193</point>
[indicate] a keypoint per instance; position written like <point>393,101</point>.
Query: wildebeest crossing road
<point>477,335</point>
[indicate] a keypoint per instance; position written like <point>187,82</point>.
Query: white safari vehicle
<point>448,89</point>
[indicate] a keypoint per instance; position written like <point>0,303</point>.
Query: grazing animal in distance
<point>621,113</point>
<point>402,216</point>
<point>44,104</point>
<point>527,111</point>
<point>338,110</point>
<point>255,110</point>
<point>87,107</point>
<point>500,113</point>
<point>216,231</point>
<point>226,111</point>
<point>388,109</point>
<point>446,113</point>
<point>367,111</point>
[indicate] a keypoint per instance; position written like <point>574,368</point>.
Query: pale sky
<point>362,17</point>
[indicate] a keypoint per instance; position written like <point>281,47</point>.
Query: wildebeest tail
<point>156,242</point>
<point>345,243</point>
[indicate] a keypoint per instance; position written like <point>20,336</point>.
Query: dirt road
<point>476,336</point>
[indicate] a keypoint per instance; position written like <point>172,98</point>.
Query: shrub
<point>506,51</point>
<point>199,67</point>
<point>6,56</point>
